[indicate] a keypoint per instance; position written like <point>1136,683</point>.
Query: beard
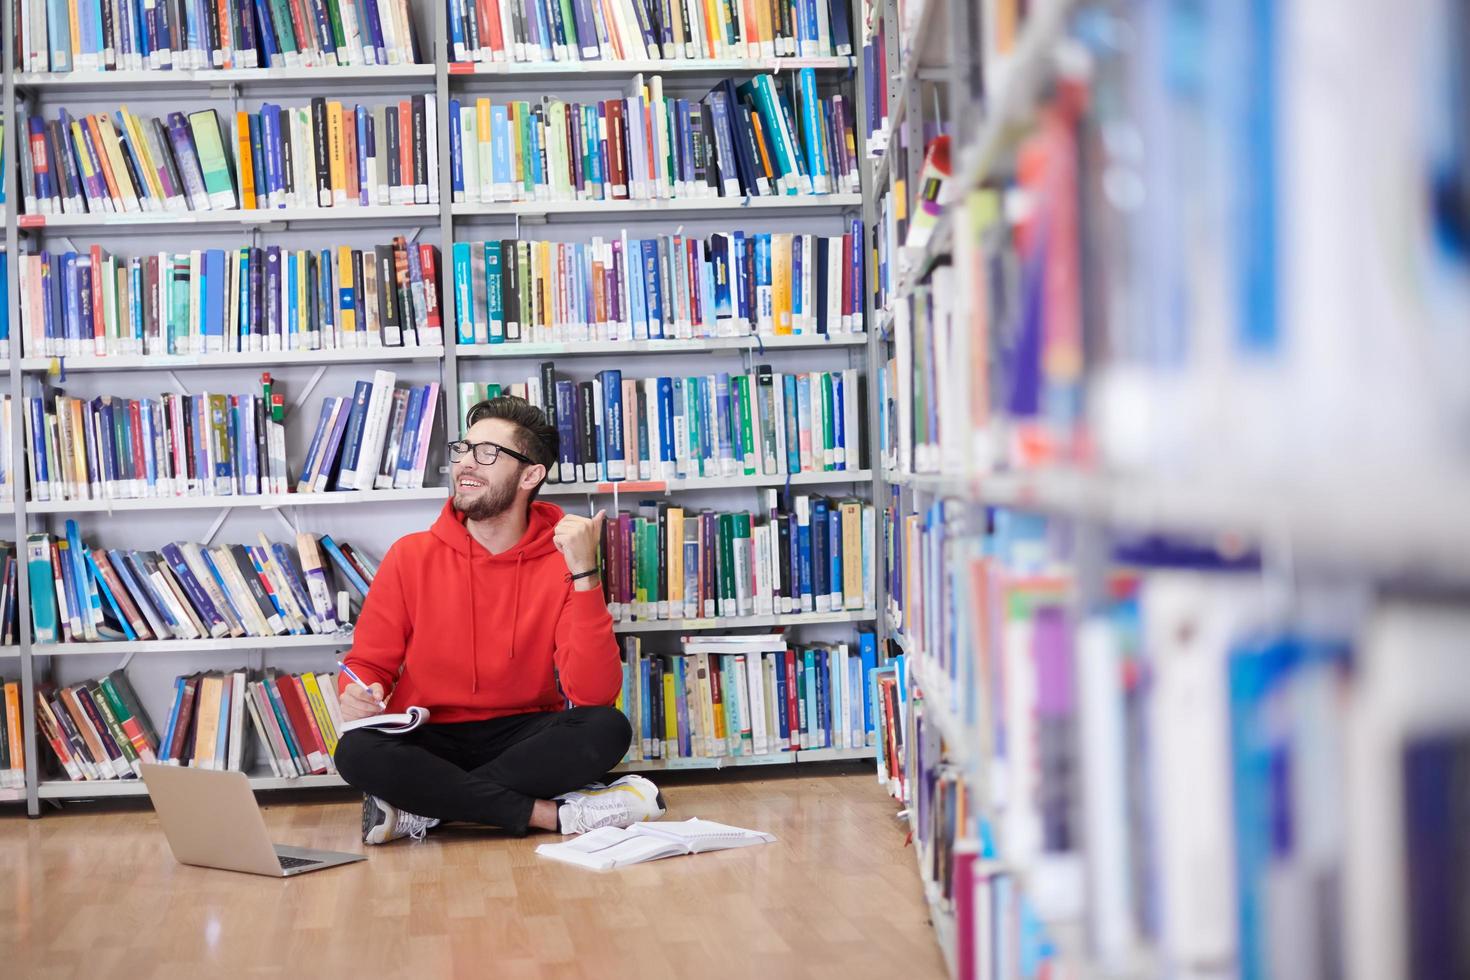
<point>490,502</point>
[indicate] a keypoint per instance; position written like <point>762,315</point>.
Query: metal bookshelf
<point>233,85</point>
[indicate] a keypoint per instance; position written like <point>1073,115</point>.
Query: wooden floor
<point>94,892</point>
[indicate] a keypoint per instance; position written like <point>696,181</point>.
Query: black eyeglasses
<point>486,453</point>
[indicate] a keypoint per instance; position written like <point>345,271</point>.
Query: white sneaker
<point>627,801</point>
<point>382,822</point>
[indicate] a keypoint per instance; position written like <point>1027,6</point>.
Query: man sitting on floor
<point>491,620</point>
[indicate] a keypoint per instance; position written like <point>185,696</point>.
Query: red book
<point>183,723</point>
<point>99,322</point>
<point>135,422</point>
<point>405,146</point>
<point>490,35</point>
<point>793,702</point>
<point>306,734</point>
<point>299,689</point>
<point>430,264</point>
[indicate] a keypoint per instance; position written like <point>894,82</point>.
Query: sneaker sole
<point>370,823</point>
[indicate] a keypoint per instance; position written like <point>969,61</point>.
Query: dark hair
<point>534,436</point>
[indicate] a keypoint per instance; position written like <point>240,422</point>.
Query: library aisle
<point>95,893</point>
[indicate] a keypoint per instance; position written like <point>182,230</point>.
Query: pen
<point>358,680</point>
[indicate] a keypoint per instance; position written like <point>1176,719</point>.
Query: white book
<point>431,142</point>
<point>393,723</point>
<point>612,847</point>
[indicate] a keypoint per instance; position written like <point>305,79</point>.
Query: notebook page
<point>703,835</point>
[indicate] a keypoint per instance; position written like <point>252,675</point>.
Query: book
<point>395,723</point>
<point>613,847</point>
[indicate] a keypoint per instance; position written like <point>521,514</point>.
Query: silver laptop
<point>211,820</point>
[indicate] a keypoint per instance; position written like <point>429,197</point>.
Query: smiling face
<point>482,492</point>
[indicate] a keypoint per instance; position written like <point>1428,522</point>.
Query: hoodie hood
<point>535,543</point>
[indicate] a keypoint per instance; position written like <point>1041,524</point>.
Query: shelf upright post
<point>17,458</point>
<point>454,411</point>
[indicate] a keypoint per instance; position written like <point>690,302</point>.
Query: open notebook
<point>612,847</point>
<point>394,724</point>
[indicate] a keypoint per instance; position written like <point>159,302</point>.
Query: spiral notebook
<point>614,847</point>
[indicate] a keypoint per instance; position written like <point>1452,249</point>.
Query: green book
<point>728,606</point>
<point>208,141</point>
<point>743,561</point>
<point>334,21</point>
<point>829,423</point>
<point>747,428</point>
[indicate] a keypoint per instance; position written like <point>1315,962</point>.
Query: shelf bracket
<point>214,528</point>
<point>285,520</point>
<point>178,382</point>
<point>300,399</point>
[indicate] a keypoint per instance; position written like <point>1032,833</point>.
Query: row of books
<point>321,155</point>
<point>215,445</point>
<point>134,35</point>
<point>668,288</point>
<point>115,448</point>
<point>766,137</point>
<point>12,737</point>
<point>762,423</point>
<point>746,695</point>
<point>378,439</point>
<point>664,562</point>
<point>639,30</point>
<point>189,591</point>
<point>99,730</point>
<point>207,301</point>
<point>875,61</point>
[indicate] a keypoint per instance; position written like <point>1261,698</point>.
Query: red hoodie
<point>476,635</point>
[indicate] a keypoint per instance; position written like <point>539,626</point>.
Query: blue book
<point>811,698</point>
<point>500,149</point>
<point>645,701</point>
<point>637,297</point>
<point>343,565</point>
<point>143,595</point>
<point>327,282</point>
<point>205,606</point>
<point>666,422</point>
<point>173,719</point>
<point>681,708</point>
<point>724,420</point>
<point>353,438</point>
<point>219,581</point>
<point>213,323</point>
<point>303,485</point>
<point>821,567</point>
<point>803,553</point>
<point>651,280</point>
<point>868,654</point>
<point>331,451</point>
<point>793,430</point>
<point>58,32</point>
<point>456,141</point>
<point>566,425</point>
<point>464,317</point>
<point>495,291</point>
<point>783,715</point>
<point>412,418</point>
<point>253,552</point>
<point>834,556</point>
<point>613,451</point>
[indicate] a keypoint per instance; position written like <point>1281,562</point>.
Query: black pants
<point>487,772</point>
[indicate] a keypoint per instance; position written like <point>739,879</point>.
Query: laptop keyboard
<point>287,863</point>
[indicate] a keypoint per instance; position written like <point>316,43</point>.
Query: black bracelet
<point>573,576</point>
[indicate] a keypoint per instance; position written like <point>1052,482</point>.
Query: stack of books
<point>666,562</point>
<point>210,301</point>
<point>671,287</point>
<point>322,155</point>
<point>136,35</point>
<point>747,695</point>
<point>767,137</point>
<point>187,591</point>
<point>639,30</point>
<point>762,423</point>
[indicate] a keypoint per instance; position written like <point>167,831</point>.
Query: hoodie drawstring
<point>469,563</point>
<point>515,608</point>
